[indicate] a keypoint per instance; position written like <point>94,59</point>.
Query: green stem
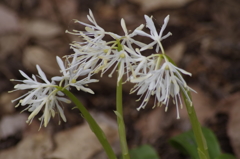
<point>92,123</point>
<point>197,130</point>
<point>120,120</point>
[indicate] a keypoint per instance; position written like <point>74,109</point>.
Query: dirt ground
<point>205,42</point>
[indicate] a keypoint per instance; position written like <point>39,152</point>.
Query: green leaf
<point>226,156</point>
<point>144,152</point>
<point>185,142</point>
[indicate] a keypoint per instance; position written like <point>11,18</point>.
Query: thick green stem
<point>197,130</point>
<point>120,120</point>
<point>92,123</point>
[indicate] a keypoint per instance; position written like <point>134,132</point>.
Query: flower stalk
<point>196,127</point>
<point>120,121</point>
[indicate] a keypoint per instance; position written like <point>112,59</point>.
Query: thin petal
<point>42,74</point>
<point>61,65</point>
<point>123,24</point>
<point>150,25</point>
<point>164,25</point>
<point>25,75</point>
<point>142,33</point>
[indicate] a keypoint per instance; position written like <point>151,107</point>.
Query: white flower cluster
<point>154,75</point>
<point>46,96</point>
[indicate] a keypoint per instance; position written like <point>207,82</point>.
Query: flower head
<point>151,75</point>
<point>94,30</point>
<point>164,83</point>
<point>157,37</point>
<point>71,75</point>
<point>42,95</point>
<point>46,96</point>
<point>128,38</point>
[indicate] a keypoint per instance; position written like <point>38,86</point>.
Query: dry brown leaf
<point>150,125</point>
<point>80,142</point>
<point>37,55</point>
<point>41,29</point>
<point>203,106</point>
<point>8,21</point>
<point>233,127</point>
<point>68,9</point>
<point>75,143</point>
<point>151,5</point>
<point>6,106</point>
<point>32,147</point>
<point>176,51</point>
<point>12,124</point>
<point>10,44</point>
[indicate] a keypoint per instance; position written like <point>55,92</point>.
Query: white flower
<point>164,83</point>
<point>70,77</point>
<point>90,57</point>
<point>94,31</point>
<point>120,59</point>
<point>46,96</point>
<point>42,95</point>
<point>127,38</point>
<point>142,65</point>
<point>153,33</point>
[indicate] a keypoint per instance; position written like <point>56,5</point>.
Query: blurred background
<point>205,42</point>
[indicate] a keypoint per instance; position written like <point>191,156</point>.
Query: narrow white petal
<point>165,36</point>
<point>29,97</point>
<point>25,75</point>
<point>142,89</point>
<point>60,93</point>
<point>164,25</point>
<point>140,79</point>
<point>65,100</point>
<point>42,74</point>
<point>142,33</point>
<point>120,71</point>
<point>61,65</point>
<point>47,115</point>
<point>60,110</point>
<point>123,24</point>
<point>87,90</point>
<point>176,87</point>
<point>57,78</point>
<point>150,25</point>
<point>140,27</point>
<point>149,46</point>
<point>35,112</point>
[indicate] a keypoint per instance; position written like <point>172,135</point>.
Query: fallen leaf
<point>151,5</point>
<point>233,126</point>
<point>176,51</point>
<point>35,146</point>
<point>151,125</point>
<point>8,21</point>
<point>41,29</point>
<point>80,142</point>
<point>12,124</point>
<point>37,55</point>
<point>11,44</point>
<point>203,106</point>
<point>6,106</point>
